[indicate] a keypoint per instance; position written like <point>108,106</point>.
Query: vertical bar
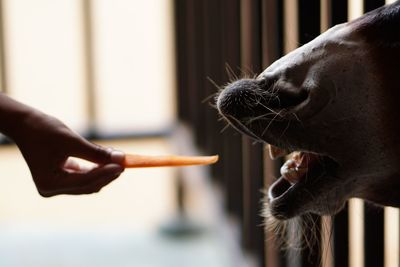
<point>356,8</point>
<point>275,255</point>
<point>339,11</point>
<point>213,67</point>
<point>392,237</point>
<point>372,4</point>
<point>325,15</point>
<point>291,41</point>
<point>200,122</point>
<point>272,31</point>
<point>3,66</point>
<point>373,237</point>
<point>232,140</point>
<point>309,19</point>
<point>356,233</point>
<point>216,53</point>
<point>356,206</point>
<point>190,63</point>
<point>341,238</point>
<point>373,218</point>
<point>233,170</point>
<point>291,29</point>
<point>89,67</point>
<point>336,13</point>
<point>197,74</point>
<point>326,221</point>
<point>272,49</point>
<point>326,241</point>
<point>181,55</point>
<point>253,238</point>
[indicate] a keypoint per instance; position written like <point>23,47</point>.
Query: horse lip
<point>235,123</point>
<point>284,205</point>
<point>287,200</point>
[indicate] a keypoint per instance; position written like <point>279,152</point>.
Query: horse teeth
<point>276,152</point>
<point>291,172</point>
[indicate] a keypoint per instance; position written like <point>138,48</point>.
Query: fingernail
<point>117,156</point>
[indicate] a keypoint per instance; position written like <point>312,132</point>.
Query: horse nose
<point>239,97</point>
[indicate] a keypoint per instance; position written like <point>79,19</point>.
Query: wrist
<point>14,117</point>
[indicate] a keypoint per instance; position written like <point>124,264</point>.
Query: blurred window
<point>130,61</point>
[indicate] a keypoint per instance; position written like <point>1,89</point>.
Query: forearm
<point>13,115</point>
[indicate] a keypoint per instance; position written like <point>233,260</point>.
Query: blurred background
<point>107,69</point>
<point>139,76</point>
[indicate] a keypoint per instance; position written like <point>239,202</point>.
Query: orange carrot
<point>141,161</point>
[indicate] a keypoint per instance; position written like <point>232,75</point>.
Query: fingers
<point>95,153</point>
<point>95,187</point>
<point>83,183</point>
<point>101,173</point>
<point>71,165</point>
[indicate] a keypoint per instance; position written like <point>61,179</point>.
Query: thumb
<point>96,153</point>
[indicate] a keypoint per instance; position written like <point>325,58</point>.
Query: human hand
<point>47,145</point>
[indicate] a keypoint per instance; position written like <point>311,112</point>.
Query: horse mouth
<point>306,184</point>
<point>308,180</point>
<point>305,179</point>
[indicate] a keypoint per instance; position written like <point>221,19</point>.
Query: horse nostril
<point>290,98</point>
<point>281,94</point>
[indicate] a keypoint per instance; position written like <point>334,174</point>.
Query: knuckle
<point>98,152</point>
